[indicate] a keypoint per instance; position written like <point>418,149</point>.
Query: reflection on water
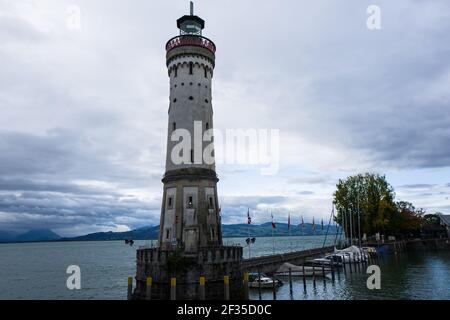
<point>38,271</point>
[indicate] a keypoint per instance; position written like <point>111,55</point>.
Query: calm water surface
<point>38,271</point>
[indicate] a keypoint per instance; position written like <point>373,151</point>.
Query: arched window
<point>191,68</point>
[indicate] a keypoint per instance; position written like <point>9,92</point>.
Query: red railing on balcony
<point>185,40</point>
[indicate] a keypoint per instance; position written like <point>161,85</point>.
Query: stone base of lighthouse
<point>213,263</point>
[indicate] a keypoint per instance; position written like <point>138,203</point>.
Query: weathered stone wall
<point>212,263</point>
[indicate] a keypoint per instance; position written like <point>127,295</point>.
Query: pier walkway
<point>269,264</point>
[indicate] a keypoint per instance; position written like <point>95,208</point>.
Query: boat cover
<point>286,266</point>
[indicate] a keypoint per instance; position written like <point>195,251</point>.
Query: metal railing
<point>190,40</point>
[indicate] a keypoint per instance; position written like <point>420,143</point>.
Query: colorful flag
<point>249,219</point>
<point>274,226</point>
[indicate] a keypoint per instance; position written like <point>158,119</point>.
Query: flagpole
<point>249,243</point>
<point>314,227</point>
<point>303,227</point>
<point>289,227</point>
<point>351,227</point>
<point>249,240</point>
<point>359,220</point>
<point>273,239</point>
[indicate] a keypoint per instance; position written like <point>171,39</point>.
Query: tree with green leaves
<point>365,204</point>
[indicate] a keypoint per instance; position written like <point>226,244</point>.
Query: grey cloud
<point>312,179</point>
<point>417,186</point>
<point>42,186</point>
<point>50,210</point>
<point>92,105</point>
<point>305,193</point>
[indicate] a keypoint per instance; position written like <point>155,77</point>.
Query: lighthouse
<point>190,207</point>
<point>190,247</point>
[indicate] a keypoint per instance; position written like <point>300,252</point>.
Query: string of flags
<point>289,223</point>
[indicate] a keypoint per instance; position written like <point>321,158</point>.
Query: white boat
<point>326,261</point>
<point>335,259</point>
<point>264,283</point>
<point>297,271</point>
<point>353,254</point>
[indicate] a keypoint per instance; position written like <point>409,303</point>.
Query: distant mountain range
<point>32,235</point>
<point>151,233</point>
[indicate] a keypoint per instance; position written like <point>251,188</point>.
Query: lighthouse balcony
<point>190,40</point>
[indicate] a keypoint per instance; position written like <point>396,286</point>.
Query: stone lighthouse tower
<point>190,238</point>
<point>190,212</point>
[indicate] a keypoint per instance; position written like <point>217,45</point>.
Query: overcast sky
<point>83,113</point>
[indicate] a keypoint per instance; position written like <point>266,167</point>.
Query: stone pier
<point>214,263</point>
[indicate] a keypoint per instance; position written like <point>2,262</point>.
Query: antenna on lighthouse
<point>192,8</point>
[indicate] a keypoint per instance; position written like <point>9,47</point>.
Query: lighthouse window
<point>191,98</point>
<point>206,73</point>
<point>170,203</point>
<point>176,71</point>
<point>206,100</point>
<point>212,233</point>
<point>190,202</point>
<point>192,156</point>
<point>211,203</point>
<point>175,100</point>
<point>191,68</point>
<point>174,126</point>
<point>207,126</point>
<point>167,234</point>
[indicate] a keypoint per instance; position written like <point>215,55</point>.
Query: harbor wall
<point>269,264</point>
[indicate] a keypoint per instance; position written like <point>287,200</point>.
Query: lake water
<point>38,271</point>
